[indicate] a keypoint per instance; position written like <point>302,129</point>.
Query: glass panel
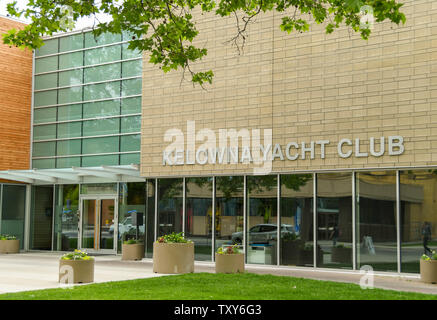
<point>68,162</point>
<point>46,81</point>
<point>46,64</point>
<point>98,188</point>
<point>102,55</point>
<point>418,192</point>
<point>131,105</point>
<point>13,211</point>
<point>132,68</point>
<point>107,210</point>
<point>376,217</point>
<point>100,145</point>
<point>71,112</point>
<point>45,98</point>
<point>101,127</point>
<point>130,143</point>
<point>297,241</point>
<point>68,147</point>
<point>43,149</point>
<point>102,91</point>
<point>198,220</point>
<point>66,217</point>
<point>71,60</point>
<point>150,218</point>
<point>41,218</point>
<point>73,94</point>
<point>102,73</point>
<point>69,78</point>
<point>89,224</point>
<point>169,206</point>
<point>334,220</point>
<point>43,164</point>
<point>229,215</point>
<point>44,115</point>
<point>70,43</point>
<point>131,87</point>
<point>101,109</point>
<point>131,124</point>
<point>105,38</point>
<point>262,217</point>
<point>44,132</point>
<point>132,197</point>
<point>130,158</point>
<point>128,53</point>
<point>49,47</point>
<point>69,129</point>
<point>95,161</point>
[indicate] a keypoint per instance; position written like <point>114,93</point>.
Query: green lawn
<point>209,286</point>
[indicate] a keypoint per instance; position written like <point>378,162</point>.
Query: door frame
<point>115,235</point>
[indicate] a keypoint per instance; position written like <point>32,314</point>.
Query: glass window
<point>71,60</point>
<point>102,91</point>
<point>102,55</point>
<point>132,68</point>
<point>101,109</point>
<point>418,193</point>
<point>130,143</point>
<point>44,115</point>
<point>169,206</point>
<point>376,217</point>
<point>198,219</point>
<point>44,132</point>
<point>44,149</point>
<point>101,127</point>
<point>68,147</point>
<point>96,161</point>
<point>13,211</point>
<point>68,95</point>
<point>68,162</point>
<point>229,213</point>
<point>100,145</point>
<point>262,215</point>
<point>70,112</point>
<point>49,47</point>
<point>334,220</point>
<point>45,98</point>
<point>69,78</point>
<point>66,217</point>
<point>46,64</point>
<point>102,73</point>
<point>46,81</point>
<point>131,87</point>
<point>43,164</point>
<point>41,218</point>
<point>130,158</point>
<point>297,228</point>
<point>98,188</point>
<point>131,124</point>
<point>131,105</point>
<point>128,53</point>
<point>69,129</point>
<point>105,38</point>
<point>70,43</point>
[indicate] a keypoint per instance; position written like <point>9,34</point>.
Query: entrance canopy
<point>129,173</point>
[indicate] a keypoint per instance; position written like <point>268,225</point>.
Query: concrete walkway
<point>33,271</point>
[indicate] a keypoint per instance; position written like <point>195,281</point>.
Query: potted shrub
<point>341,254</point>
<point>132,250</point>
<point>291,246</point>
<point>173,254</point>
<point>229,260</point>
<point>9,244</point>
<point>76,267</point>
<point>428,268</point>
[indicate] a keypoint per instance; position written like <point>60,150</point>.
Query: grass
<point>209,286</point>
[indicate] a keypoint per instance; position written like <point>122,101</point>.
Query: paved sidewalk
<point>33,271</point>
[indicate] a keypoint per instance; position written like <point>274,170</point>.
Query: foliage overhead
<point>166,29</point>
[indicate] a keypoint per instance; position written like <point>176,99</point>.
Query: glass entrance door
<point>98,216</point>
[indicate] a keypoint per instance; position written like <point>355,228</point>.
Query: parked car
<point>262,233</point>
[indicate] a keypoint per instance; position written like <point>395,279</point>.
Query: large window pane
<point>45,98</point>
<point>376,220</point>
<point>66,217</point>
<point>169,206</point>
<point>102,55</point>
<point>131,87</point>
<point>46,81</point>
<point>69,78</point>
<point>198,220</point>
<point>100,145</point>
<point>262,217</point>
<point>69,129</point>
<point>41,218</point>
<point>44,115</point>
<point>102,73</point>
<point>130,158</point>
<point>334,220</point>
<point>46,64</point>
<point>132,68</point>
<point>68,95</point>
<point>96,161</point>
<point>101,109</point>
<point>131,124</point>
<point>43,164</point>
<point>101,127</point>
<point>44,132</point>
<point>102,91</point>
<point>13,210</point>
<point>130,143</point>
<point>49,47</point>
<point>71,60</point>
<point>68,147</point>
<point>229,214</point>
<point>105,38</point>
<point>418,192</point>
<point>131,105</point>
<point>44,149</point>
<point>128,53</point>
<point>68,162</point>
<point>71,112</point>
<point>70,43</point>
<point>297,241</point>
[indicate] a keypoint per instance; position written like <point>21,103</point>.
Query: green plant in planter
<point>428,258</point>
<point>228,250</point>
<point>76,255</point>
<point>290,237</point>
<point>132,241</point>
<point>173,238</point>
<point>7,237</point>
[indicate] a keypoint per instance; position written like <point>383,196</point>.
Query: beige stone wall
<point>305,87</point>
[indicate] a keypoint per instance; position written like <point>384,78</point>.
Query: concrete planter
<point>132,251</point>
<point>341,255</point>
<point>428,271</point>
<point>76,271</point>
<point>229,263</point>
<point>9,246</point>
<point>172,258</point>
